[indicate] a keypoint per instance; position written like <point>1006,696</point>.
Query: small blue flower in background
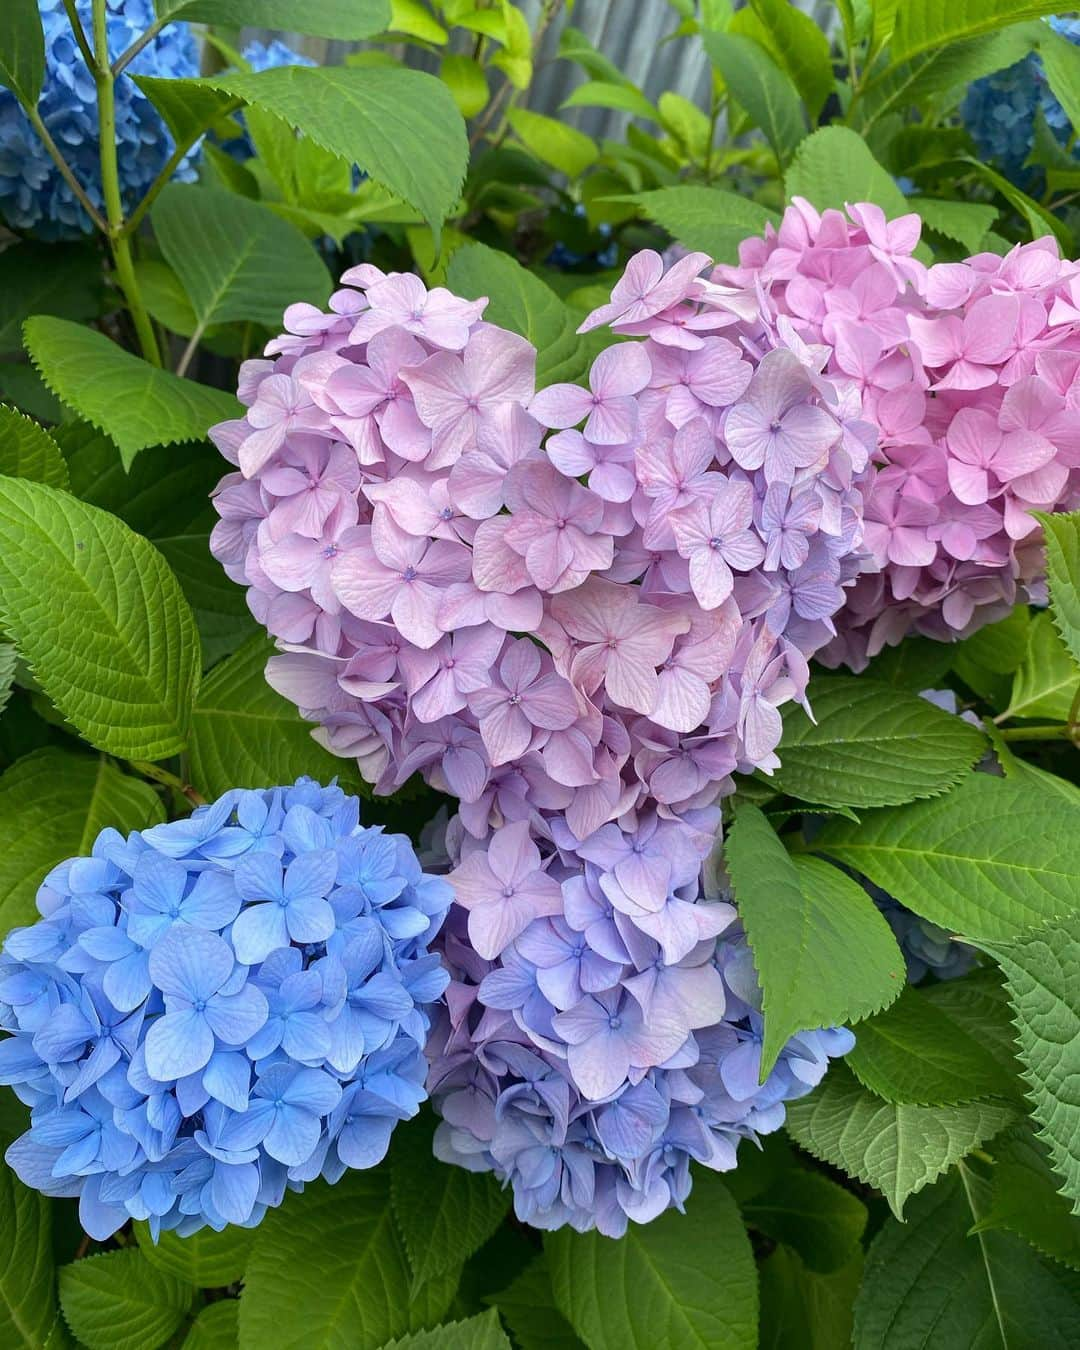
<point>33,195</point>
<point>999,110</point>
<point>214,1011</point>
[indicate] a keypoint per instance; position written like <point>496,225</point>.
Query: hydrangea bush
<point>211,1012</point>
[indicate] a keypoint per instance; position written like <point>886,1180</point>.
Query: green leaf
<point>524,304</point>
<point>914,1052</point>
<point>1061,62</point>
<point>482,1332</point>
<point>119,1301</point>
<point>1041,222</point>
<point>528,1309</point>
<point>9,659</point>
<point>834,166</point>
<point>53,805</point>
<point>207,1259</point>
<point>216,1327</point>
<point>820,1220</point>
<point>964,222</point>
<point>705,218</point>
<point>401,126</point>
<point>1026,1199</point>
<point>243,734</point>
<point>979,1004</point>
<point>236,259</point>
<point>922,25</point>
<point>928,1284</point>
<point>575,46</point>
<point>988,859</point>
<point>982,659</point>
<point>60,279</point>
<point>898,1149</point>
<point>682,1281</point>
<point>803,919</point>
<point>412,18</point>
<point>467,82</point>
<point>798,45</point>
<point>803,1310</point>
<point>563,147</point>
<point>361,1269</point>
<point>188,107</point>
<point>28,451</point>
<point>119,655</point>
<point>1062,534</point>
<point>1040,972</point>
<point>1048,678</point>
<point>346,20</point>
<point>872,745</point>
<point>22,50</point>
<point>915,664</point>
<point>761,88</point>
<point>28,1313</point>
<point>444,1213</point>
<point>129,399</point>
<point>619,97</point>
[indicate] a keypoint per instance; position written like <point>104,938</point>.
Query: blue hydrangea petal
<point>178,1044</point>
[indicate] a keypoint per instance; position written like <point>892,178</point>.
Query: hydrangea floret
<point>969,373</point>
<point>214,1011</point>
<point>33,195</point>
<point>673,540</point>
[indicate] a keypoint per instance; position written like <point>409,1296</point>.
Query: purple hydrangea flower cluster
<point>971,374</point>
<point>603,1026</point>
<point>216,1010</point>
<point>33,195</point>
<point>675,550</point>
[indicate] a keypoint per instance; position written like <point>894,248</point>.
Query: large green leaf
<point>814,1216</point>
<point>119,1301</point>
<point>402,127</point>
<point>914,1052</point>
<point>329,1270</point>
<point>61,279</point>
<point>235,258</point>
<point>990,858</point>
<point>678,1283</point>
<point>188,107</point>
<point>53,805</point>
<point>523,303</point>
<point>1041,972</point>
<point>129,399</point>
<point>243,734</point>
<point>215,1328</point>
<point>761,88</point>
<point>9,660</point>
<point>804,1310</point>
<point>28,451</point>
<point>834,166</point>
<point>22,50</point>
<point>798,45</point>
<point>964,222</point>
<point>28,1312</point>
<point>100,619</point>
<point>206,1259</point>
<point>872,745</point>
<point>923,25</point>
<point>1048,679</point>
<point>346,20</point>
<point>899,1149</point>
<point>482,1332</point>
<point>1026,1198</point>
<point>927,1283</point>
<point>1063,569</point>
<point>979,1004</point>
<point>705,218</point>
<point>804,919</point>
<point>444,1213</point>
<point>527,1306</point>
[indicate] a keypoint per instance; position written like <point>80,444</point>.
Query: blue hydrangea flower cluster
<point>999,110</point>
<point>33,195</point>
<point>927,949</point>
<point>216,1010</point>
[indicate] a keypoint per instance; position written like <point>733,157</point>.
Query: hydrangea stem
<point>119,242</point>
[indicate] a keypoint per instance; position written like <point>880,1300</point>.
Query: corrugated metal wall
<point>629,32</point>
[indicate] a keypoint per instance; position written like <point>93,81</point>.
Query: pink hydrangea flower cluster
<point>602,1027</point>
<point>589,625</point>
<point>971,374</point>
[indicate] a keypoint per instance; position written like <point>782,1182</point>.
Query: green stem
<point>167,779</point>
<point>125,58</point>
<point>65,169</point>
<point>1051,732</point>
<point>110,188</point>
<point>79,33</point>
